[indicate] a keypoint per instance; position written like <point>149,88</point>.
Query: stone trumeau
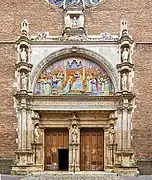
<point>70,69</point>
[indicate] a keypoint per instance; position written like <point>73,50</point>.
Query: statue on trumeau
<point>23,55</point>
<point>124,81</point>
<point>37,133</point>
<point>111,134</point>
<point>74,133</point>
<point>24,81</point>
<point>125,55</point>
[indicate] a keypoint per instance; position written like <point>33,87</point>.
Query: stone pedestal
<point>74,165</point>
<point>126,171</point>
<point>24,162</point>
<point>37,155</point>
<point>125,164</point>
<point>111,150</point>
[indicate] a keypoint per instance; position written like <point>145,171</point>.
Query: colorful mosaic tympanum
<point>74,77</point>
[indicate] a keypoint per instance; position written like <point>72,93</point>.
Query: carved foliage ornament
<point>65,3</point>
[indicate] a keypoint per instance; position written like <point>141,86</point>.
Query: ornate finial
<point>124,30</point>
<point>24,27</point>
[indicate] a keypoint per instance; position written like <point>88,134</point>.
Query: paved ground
<point>9,177</point>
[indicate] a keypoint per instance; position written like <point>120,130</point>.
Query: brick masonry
<point>105,17</point>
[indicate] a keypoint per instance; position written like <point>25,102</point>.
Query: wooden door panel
<point>54,139</point>
<point>92,146</point>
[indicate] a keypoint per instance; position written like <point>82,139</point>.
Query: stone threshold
<point>80,172</point>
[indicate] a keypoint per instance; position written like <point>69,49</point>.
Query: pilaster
<point>125,155</point>
<point>24,154</point>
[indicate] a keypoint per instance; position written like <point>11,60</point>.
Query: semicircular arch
<point>75,52</point>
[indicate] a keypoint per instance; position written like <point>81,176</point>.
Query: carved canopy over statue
<point>74,77</point>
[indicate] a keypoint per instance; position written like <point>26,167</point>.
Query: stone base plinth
<point>73,168</point>
<point>109,168</point>
<point>126,171</point>
<point>23,170</point>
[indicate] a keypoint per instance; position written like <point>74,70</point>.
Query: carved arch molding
<point>74,71</point>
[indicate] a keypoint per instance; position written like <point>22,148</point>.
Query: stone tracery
<point>65,3</point>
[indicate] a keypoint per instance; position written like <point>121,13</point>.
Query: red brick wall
<point>142,117</point>
<point>8,120</point>
<point>105,17</point>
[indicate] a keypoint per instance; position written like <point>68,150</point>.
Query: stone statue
<point>74,134</point>
<point>111,134</point>
<point>112,115</point>
<point>23,55</point>
<point>124,82</point>
<point>75,22</point>
<point>36,133</point>
<point>73,117</point>
<point>24,27</point>
<point>125,55</point>
<point>24,81</point>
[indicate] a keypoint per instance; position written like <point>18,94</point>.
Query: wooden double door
<point>92,149</point>
<point>56,149</point>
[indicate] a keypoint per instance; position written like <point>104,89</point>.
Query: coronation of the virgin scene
<point>76,87</point>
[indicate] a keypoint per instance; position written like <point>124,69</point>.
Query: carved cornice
<point>121,108</point>
<point>126,37</point>
<point>24,65</point>
<point>88,42</point>
<point>23,38</point>
<point>125,66</point>
<point>76,98</point>
<point>22,95</point>
<point>126,95</point>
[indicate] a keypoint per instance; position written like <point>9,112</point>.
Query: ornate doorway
<point>55,139</point>
<point>92,149</point>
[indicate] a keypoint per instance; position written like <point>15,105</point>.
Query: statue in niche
<point>36,133</point>
<point>124,81</point>
<point>24,81</point>
<point>74,133</point>
<point>23,55</point>
<point>112,115</point>
<point>74,22</point>
<point>111,134</point>
<point>125,55</point>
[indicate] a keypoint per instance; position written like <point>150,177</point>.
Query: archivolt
<point>75,52</point>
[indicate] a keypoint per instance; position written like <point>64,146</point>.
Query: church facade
<point>75,94</point>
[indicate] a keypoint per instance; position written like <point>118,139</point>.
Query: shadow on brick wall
<point>145,167</point>
<point>6,165</point>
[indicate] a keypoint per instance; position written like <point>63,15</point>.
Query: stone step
<point>72,176</point>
